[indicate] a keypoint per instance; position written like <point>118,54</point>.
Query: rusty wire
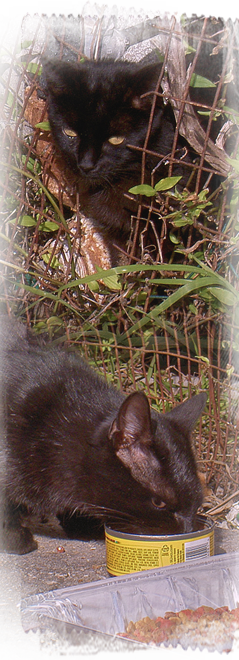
<point>166,368</point>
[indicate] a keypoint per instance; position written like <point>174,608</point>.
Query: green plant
<point>150,191</point>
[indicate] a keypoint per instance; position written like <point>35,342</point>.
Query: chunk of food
<point>204,633</point>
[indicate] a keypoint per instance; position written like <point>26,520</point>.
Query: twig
<point>220,507</point>
<point>186,118</point>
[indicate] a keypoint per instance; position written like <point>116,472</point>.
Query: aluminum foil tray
<point>107,606</point>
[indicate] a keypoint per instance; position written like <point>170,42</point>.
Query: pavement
<point>58,562</point>
<point>62,562</point>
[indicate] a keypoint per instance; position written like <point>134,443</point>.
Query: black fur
<point>73,443</point>
<point>105,99</point>
<point>98,101</point>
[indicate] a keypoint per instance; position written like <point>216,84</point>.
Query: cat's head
<point>157,450</point>
<point>97,109</point>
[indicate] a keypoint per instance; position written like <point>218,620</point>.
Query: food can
<point>129,553</point>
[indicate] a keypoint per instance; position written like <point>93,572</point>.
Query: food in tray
<point>204,627</point>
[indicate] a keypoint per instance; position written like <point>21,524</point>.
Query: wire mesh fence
<point>163,315</point>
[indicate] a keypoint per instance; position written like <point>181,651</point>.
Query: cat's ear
<point>144,82</point>
<point>133,423</point>
<point>55,77</point>
<point>188,412</point>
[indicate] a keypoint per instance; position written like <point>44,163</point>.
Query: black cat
<point>73,443</point>
<point>98,112</point>
<point>99,115</point>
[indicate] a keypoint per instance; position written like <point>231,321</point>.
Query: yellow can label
<point>129,555</point>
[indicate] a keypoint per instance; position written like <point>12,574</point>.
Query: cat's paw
<point>18,541</point>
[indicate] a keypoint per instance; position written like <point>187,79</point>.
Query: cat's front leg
<point>15,538</point>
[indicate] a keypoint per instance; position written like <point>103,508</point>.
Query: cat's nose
<point>87,162</point>
<point>186,523</point>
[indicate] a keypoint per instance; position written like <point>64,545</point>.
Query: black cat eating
<point>73,443</point>
<point>99,114</point>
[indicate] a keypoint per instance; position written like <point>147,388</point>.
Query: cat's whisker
<point>94,509</point>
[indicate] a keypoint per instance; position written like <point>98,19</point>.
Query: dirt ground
<point>46,569</point>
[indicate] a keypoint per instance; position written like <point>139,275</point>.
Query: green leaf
<point>23,45</point>
<point>10,99</point>
<point>234,205</point>
<point>206,279</point>
<point>188,49</point>
<point>234,163</point>
<point>39,326</point>
<point>183,222</point>
<point>200,81</point>
<point>229,110</point>
<point>54,320</point>
<point>48,226</point>
<point>143,189</point>
<point>203,195</point>
<point>93,286</point>
<point>43,125</point>
<point>32,165</point>
<point>205,114</point>
<point>167,183</point>
<point>54,261</point>
<point>174,238</point>
<point>112,282</point>
<point>230,371</point>
<point>224,296</point>
<point>27,221</point>
<point>193,309</point>
<point>32,67</point>
<point>203,358</point>
<point>183,23</point>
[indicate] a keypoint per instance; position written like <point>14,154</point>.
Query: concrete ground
<point>60,562</point>
<point>45,569</point>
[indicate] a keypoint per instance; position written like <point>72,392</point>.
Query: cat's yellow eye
<point>69,132</point>
<point>158,504</point>
<point>116,140</point>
